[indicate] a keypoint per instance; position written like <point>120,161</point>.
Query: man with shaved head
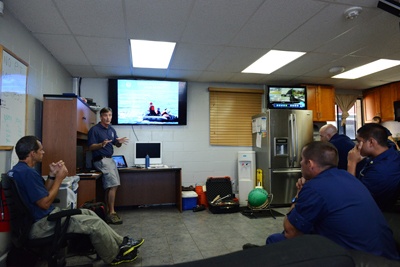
<point>342,142</point>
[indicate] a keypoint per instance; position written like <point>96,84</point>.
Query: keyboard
<point>158,166</point>
<point>151,166</point>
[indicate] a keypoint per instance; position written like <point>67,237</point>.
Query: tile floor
<point>174,237</point>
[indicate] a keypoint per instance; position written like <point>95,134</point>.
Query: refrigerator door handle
<point>295,138</point>
<point>293,143</point>
<point>286,171</point>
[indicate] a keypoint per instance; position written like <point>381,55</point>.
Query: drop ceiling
<point>216,39</point>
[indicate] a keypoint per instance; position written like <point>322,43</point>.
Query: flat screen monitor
<point>151,148</point>
<point>147,102</point>
<point>287,97</point>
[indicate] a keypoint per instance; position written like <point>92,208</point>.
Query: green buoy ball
<point>257,197</point>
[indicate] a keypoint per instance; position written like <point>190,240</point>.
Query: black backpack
<point>98,207</point>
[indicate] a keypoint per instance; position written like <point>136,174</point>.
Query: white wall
<point>45,74</point>
<point>187,146</point>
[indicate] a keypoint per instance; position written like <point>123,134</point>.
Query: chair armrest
<point>63,213</point>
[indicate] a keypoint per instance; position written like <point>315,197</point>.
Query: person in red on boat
<point>152,110</point>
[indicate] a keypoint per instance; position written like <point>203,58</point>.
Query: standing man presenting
<point>101,139</point>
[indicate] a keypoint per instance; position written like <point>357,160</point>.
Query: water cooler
<point>246,174</point>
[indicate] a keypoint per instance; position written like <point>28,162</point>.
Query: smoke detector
<point>338,69</point>
<point>352,12</point>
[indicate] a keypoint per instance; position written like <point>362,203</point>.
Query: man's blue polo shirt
<point>31,186</point>
<point>97,134</point>
<point>381,175</point>
<point>338,206</point>
<point>343,144</point>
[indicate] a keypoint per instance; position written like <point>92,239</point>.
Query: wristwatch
<point>294,200</point>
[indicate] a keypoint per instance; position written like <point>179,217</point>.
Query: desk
<point>149,186</point>
<point>89,189</point>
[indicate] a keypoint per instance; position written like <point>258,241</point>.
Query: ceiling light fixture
<point>272,61</point>
<point>352,12</point>
<point>151,54</point>
<point>364,70</point>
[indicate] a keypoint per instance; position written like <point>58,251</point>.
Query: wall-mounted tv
<point>147,102</point>
<point>287,97</point>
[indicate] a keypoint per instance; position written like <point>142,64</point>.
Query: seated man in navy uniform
<point>334,204</point>
<point>381,173</point>
<point>342,142</point>
<point>39,196</point>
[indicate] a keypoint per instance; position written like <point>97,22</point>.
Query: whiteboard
<point>14,73</point>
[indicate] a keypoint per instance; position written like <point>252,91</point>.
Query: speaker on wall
<point>396,110</point>
<point>391,6</point>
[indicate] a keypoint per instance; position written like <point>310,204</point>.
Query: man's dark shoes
<point>249,245</point>
<point>131,256</point>
<point>130,244</point>
<point>113,218</point>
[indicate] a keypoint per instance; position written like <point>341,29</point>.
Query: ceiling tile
<point>89,18</point>
<point>105,51</point>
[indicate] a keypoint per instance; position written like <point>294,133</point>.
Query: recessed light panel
<point>151,54</point>
<point>271,61</point>
<point>367,69</point>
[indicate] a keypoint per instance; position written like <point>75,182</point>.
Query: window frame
<point>359,118</point>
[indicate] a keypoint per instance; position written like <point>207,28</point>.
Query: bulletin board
<point>13,82</point>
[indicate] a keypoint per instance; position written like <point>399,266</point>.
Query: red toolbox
<point>220,197</point>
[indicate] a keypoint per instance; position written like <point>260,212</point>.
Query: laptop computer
<point>120,161</point>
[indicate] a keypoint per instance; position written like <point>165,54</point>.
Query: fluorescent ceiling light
<point>375,66</point>
<point>151,54</point>
<point>272,61</point>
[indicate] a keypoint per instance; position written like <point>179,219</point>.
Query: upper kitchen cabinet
<point>321,100</point>
<point>372,104</point>
<point>379,101</point>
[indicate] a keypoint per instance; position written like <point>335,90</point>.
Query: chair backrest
<point>21,219</point>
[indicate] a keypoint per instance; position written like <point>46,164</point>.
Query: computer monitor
<point>151,148</point>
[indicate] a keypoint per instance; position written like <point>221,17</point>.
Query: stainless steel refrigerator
<point>278,137</point>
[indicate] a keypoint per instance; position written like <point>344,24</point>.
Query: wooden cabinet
<point>388,94</point>
<point>66,122</point>
<point>321,100</point>
<point>90,189</point>
<point>84,118</point>
<point>371,103</point>
<point>379,101</point>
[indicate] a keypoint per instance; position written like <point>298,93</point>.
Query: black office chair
<point>51,248</point>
